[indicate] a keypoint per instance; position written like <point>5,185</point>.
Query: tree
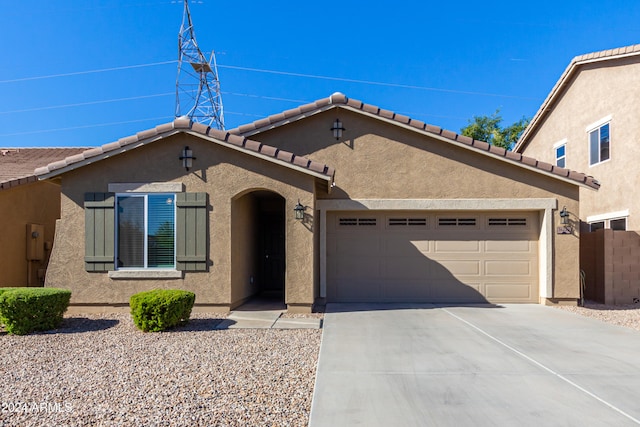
<point>489,129</point>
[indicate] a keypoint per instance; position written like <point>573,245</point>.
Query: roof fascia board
<point>172,132</point>
<point>467,147</point>
<point>288,120</point>
<point>108,154</point>
<point>263,157</point>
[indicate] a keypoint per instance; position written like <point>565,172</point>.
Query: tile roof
<point>339,100</point>
<point>588,58</point>
<point>17,165</point>
<point>183,124</point>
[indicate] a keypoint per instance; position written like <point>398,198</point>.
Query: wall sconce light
<point>337,129</point>
<point>299,211</point>
<point>187,158</point>
<point>564,215</point>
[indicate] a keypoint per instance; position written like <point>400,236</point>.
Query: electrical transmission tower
<point>197,85</point>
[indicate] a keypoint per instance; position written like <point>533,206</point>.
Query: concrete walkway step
<point>266,319</point>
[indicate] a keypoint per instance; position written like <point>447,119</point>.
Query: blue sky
<point>81,73</point>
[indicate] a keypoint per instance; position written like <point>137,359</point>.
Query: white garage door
<point>459,257</point>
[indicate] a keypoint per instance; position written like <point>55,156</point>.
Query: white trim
<point>609,215</point>
<point>146,187</point>
<point>546,206</point>
<point>598,123</point>
<point>560,143</point>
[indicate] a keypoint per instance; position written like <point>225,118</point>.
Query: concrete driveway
<point>420,365</point>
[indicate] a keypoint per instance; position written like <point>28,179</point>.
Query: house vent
<point>507,222</point>
<point>456,221</point>
<point>408,221</point>
<point>356,221</point>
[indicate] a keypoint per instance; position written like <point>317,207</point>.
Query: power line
<point>370,82</point>
<point>86,126</point>
<point>277,72</point>
<point>133,98</point>
<point>77,73</point>
<point>82,104</point>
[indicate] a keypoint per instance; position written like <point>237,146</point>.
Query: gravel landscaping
<point>99,370</point>
<point>621,315</point>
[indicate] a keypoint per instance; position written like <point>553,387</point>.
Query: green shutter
<point>191,231</point>
<point>99,231</point>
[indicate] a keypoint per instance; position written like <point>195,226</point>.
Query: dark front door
<point>272,253</point>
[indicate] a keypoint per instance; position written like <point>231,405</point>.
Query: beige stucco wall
<point>378,161</point>
<point>221,172</point>
<point>597,91</point>
<point>36,203</point>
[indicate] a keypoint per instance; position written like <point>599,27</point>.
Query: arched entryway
<point>258,247</point>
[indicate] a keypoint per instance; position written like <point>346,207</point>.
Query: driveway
<point>417,365</point>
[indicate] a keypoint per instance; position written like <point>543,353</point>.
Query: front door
<point>272,254</point>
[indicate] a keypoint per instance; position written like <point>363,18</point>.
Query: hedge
<point>160,309</point>
<point>24,310</point>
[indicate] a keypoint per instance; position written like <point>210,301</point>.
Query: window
<point>561,155</point>
<point>138,231</point>
<point>145,231</point>
<point>599,145</point>
<point>618,224</point>
<point>611,220</point>
<point>594,226</point>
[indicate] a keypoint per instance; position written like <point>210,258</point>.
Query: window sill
<point>145,274</point>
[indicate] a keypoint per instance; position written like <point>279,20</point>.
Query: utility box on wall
<point>35,242</point>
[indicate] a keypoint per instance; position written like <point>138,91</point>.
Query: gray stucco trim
<point>146,187</point>
<point>544,206</point>
<point>146,274</point>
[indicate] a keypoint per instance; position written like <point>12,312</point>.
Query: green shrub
<point>24,310</point>
<point>161,309</point>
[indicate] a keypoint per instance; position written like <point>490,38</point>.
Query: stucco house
<point>28,212</point>
<point>589,122</point>
<point>336,200</point>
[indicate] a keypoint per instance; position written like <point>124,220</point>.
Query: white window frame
<point>146,232</point>
<point>596,126</point>
<point>556,146</point>
<point>606,218</point>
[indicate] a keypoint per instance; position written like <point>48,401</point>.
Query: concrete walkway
<point>525,365</point>
<point>261,315</point>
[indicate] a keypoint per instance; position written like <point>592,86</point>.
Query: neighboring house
<point>28,213</point>
<point>589,122</point>
<point>391,210</point>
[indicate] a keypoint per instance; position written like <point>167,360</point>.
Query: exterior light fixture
<point>187,158</point>
<point>299,211</point>
<point>564,215</point>
<point>337,129</point>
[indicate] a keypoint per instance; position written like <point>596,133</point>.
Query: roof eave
<point>561,83</point>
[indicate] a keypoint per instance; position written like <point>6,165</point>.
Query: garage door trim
<point>546,206</point>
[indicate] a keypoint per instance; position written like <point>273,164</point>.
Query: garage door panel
<point>508,291</point>
<point>447,291</point>
<point>445,246</point>
<point>508,246</point>
<point>357,268</point>
<point>448,268</point>
<point>407,290</point>
<point>508,268</point>
<point>407,247</point>
<point>495,260</point>
<point>349,246</point>
<point>354,290</point>
<point>414,267</point>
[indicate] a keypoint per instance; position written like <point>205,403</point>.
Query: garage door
<point>460,257</point>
